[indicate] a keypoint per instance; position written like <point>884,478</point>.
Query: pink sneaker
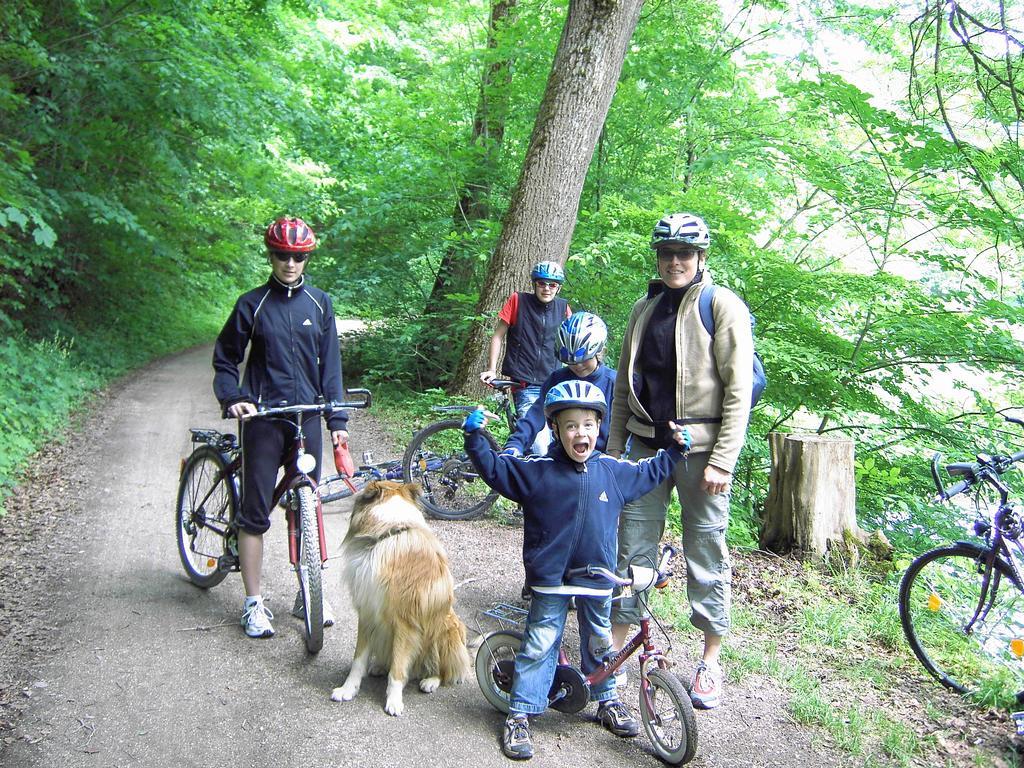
<point>706,686</point>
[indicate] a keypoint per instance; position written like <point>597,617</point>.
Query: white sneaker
<point>299,610</point>
<point>256,619</point>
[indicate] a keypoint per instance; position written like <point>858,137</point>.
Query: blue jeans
<point>538,656</point>
<point>524,399</point>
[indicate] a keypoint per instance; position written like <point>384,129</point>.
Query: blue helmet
<point>681,229</point>
<point>574,394</point>
<point>581,336</point>
<point>548,270</point>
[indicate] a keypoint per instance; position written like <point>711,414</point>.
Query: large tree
<point>541,217</point>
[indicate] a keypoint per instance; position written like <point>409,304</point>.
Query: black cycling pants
<point>266,445</point>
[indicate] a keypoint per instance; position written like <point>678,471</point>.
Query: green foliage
<point>875,237</point>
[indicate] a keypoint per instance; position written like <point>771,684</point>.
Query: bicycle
<point>435,459</point>
<point>349,480</point>
<point>961,605</point>
<point>209,493</point>
<point>665,708</point>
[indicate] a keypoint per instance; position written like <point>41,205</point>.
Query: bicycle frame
<point>295,478</point>
<point>642,639</point>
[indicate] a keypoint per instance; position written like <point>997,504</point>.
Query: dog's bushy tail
<point>453,656</point>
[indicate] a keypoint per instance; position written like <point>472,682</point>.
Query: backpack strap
<point>707,316</point>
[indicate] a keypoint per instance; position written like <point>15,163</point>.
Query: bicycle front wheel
<point>970,642</point>
<point>452,489</point>
<point>667,715</point>
<point>495,665</point>
<point>310,570</point>
<point>205,514</point>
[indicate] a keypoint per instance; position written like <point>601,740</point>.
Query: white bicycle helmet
<point>681,229</point>
<point>581,336</point>
<point>574,394</point>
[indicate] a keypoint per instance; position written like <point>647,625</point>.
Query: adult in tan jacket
<point>672,369</point>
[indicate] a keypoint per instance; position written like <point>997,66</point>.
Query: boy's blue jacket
<point>532,422</point>
<point>570,510</point>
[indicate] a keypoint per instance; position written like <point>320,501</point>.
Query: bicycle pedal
<point>1018,721</point>
<point>228,563</point>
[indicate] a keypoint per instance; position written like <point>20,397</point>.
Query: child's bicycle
<point>665,708</point>
<point>962,604</point>
<point>209,493</point>
<point>435,459</point>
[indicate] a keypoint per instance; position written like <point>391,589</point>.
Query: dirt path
<point>109,657</point>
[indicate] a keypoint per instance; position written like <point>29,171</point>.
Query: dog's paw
<point>344,693</point>
<point>430,684</point>
<point>394,705</point>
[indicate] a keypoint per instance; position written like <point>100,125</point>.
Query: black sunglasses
<point>297,257</point>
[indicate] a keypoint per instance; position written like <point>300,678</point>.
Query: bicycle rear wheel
<point>205,514</point>
<point>980,653</point>
<point>668,718</point>
<point>495,665</point>
<point>309,569</point>
<point>452,490</point>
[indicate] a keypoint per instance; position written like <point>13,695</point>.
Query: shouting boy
<point>571,500</point>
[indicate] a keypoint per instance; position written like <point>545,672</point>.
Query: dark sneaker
<point>516,742</point>
<point>706,686</point>
<point>616,717</point>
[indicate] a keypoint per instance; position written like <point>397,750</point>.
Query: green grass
<point>833,643</point>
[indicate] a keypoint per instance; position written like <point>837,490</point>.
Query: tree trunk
<point>541,217</point>
<point>810,509</point>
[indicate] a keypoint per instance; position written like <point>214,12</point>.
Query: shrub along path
<point>108,656</point>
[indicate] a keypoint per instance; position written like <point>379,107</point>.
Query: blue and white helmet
<point>681,229</point>
<point>581,336</point>
<point>574,394</point>
<point>548,270</point>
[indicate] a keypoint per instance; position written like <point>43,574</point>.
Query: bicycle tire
<point>495,664</point>
<point>435,459</point>
<point>939,595</point>
<point>207,504</point>
<point>668,717</point>
<point>333,488</point>
<point>310,570</point>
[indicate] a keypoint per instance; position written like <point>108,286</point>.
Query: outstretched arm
<point>500,471</point>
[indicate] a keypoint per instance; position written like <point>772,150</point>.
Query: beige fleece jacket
<point>715,376</point>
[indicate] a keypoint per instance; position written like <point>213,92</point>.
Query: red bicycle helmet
<point>290,235</point>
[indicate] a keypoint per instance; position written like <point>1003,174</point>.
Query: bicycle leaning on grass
<point>209,494</point>
<point>435,458</point>
<point>665,708</point>
<point>962,604</point>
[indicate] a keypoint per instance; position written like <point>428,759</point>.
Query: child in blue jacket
<point>571,500</point>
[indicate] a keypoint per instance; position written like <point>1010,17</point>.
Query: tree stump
<point>810,509</point>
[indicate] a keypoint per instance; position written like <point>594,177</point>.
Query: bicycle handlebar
<point>329,407</point>
<point>985,469</point>
<point>667,554</point>
<point>506,384</point>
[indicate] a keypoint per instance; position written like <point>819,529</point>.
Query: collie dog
<point>397,573</point>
